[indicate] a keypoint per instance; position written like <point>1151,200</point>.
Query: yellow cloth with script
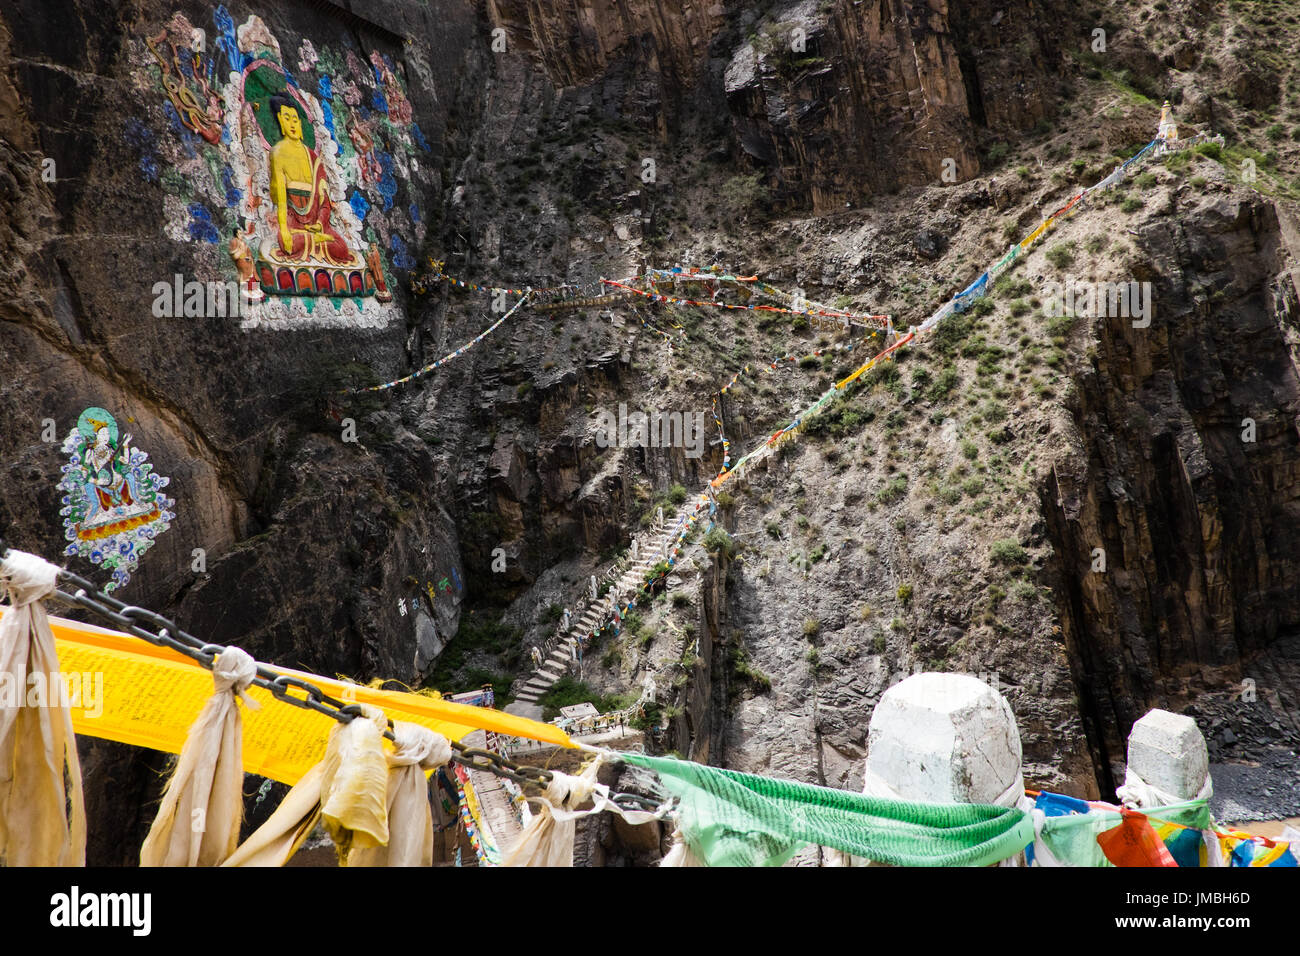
<point>136,693</point>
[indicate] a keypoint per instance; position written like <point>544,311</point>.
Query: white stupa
<point>1168,128</point>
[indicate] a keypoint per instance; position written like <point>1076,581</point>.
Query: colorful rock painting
<point>112,505</point>
<point>287,163</point>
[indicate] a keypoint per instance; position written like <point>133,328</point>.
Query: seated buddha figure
<point>301,195</point>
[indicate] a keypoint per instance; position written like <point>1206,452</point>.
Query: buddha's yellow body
<point>302,201</point>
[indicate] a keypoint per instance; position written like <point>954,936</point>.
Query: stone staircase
<point>651,548</point>
<point>497,814</point>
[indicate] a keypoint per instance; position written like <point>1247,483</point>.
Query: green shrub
<point>949,494</point>
<point>811,626</point>
<point>943,385</point>
<point>717,541</point>
<point>952,332</point>
<point>1061,255</point>
<point>905,593</point>
<point>894,489</point>
<point>1008,551</point>
<point>1023,591</point>
<point>743,668</point>
<point>744,194</point>
<point>993,412</point>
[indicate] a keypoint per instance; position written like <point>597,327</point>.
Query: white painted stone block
<point>944,738</point>
<point>1167,752</point>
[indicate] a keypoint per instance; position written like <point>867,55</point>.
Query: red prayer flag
<point>1134,843</point>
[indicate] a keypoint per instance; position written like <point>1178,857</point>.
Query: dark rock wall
<point>881,95</point>
<point>1198,525</point>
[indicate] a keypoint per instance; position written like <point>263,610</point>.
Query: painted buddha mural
<point>309,239</point>
<point>301,195</point>
<point>313,174</point>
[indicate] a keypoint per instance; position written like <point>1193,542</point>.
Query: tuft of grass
<point>893,489</point>
<point>1061,255</point>
<point>1008,551</point>
<point>718,541</point>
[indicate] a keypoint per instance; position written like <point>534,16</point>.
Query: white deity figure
<point>594,589</point>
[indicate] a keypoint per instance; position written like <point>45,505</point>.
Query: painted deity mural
<point>288,167</point>
<point>113,507</point>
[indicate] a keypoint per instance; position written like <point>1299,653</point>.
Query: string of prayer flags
<point>418,373</point>
<point>708,303</point>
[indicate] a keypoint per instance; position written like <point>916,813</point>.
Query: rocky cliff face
<point>864,552</point>
<point>840,101</point>
<point>1174,513</point>
<point>287,540</point>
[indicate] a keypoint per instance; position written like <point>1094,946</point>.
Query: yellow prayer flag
<point>136,693</point>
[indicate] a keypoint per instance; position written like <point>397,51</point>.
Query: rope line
<point>419,373</point>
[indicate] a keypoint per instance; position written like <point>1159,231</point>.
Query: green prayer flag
<point>739,819</point>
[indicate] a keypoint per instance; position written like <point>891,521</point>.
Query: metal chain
<point>129,618</point>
